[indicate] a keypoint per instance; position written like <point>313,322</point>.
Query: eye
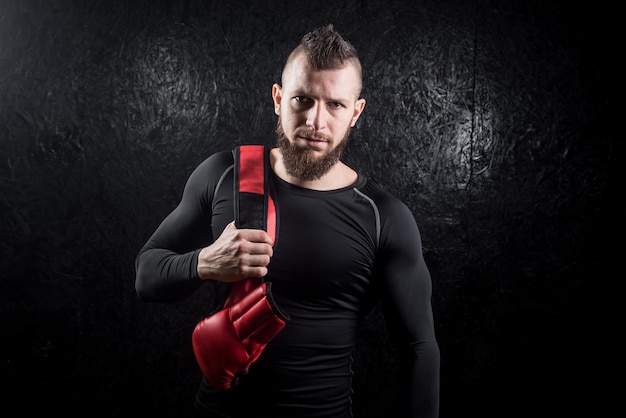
<point>335,105</point>
<point>301,99</point>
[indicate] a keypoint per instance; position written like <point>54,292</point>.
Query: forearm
<point>164,276</point>
<point>422,396</point>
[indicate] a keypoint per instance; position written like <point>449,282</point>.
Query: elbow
<point>141,289</point>
<point>142,282</point>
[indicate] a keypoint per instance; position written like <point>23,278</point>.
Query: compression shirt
<point>336,254</point>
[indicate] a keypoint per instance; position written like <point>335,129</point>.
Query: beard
<point>302,163</point>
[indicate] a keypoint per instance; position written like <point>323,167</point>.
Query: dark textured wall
<point>490,119</point>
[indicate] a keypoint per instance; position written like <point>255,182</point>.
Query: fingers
<point>255,252</point>
<point>248,272</point>
<point>256,259</point>
<point>237,254</point>
<point>251,243</point>
<point>251,264</point>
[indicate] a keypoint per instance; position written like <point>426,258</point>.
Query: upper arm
<point>188,226</point>
<point>406,282</point>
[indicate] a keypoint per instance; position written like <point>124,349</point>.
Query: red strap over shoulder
<point>254,207</point>
<point>251,169</point>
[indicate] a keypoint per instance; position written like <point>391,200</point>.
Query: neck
<point>339,176</point>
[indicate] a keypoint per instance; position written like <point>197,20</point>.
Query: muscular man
<point>342,244</point>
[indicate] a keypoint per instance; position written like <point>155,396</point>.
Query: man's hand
<point>236,255</point>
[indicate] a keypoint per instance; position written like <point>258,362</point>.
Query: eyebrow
<point>301,92</point>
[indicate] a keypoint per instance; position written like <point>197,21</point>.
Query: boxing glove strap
<point>254,207</point>
<point>227,342</point>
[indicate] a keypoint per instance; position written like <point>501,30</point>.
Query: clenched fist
<point>236,255</point>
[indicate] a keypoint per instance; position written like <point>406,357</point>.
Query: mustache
<point>311,133</point>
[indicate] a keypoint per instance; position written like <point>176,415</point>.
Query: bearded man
<point>341,245</point>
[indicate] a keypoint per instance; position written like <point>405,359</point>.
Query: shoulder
<point>207,176</point>
<point>383,199</point>
<point>395,217</point>
<point>217,162</point>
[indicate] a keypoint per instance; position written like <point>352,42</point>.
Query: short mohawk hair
<point>326,49</point>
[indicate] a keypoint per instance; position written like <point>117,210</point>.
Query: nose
<point>315,117</point>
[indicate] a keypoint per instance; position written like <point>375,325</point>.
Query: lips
<point>310,139</point>
<point>312,142</point>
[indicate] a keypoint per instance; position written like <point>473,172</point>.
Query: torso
<point>321,275</point>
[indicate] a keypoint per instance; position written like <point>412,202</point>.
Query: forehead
<point>343,83</point>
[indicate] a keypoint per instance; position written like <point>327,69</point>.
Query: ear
<point>277,92</point>
<point>359,105</point>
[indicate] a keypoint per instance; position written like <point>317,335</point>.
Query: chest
<point>325,247</point>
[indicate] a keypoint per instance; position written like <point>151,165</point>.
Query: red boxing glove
<point>229,341</point>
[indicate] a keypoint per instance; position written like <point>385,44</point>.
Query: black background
<point>490,119</point>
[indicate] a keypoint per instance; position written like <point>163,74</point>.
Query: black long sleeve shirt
<point>336,254</point>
